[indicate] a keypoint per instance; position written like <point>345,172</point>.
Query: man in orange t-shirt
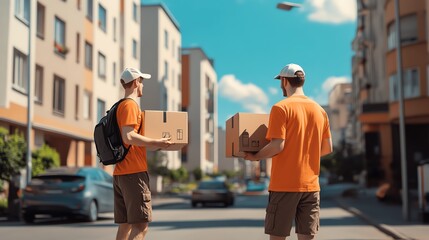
<point>132,196</point>
<point>299,135</point>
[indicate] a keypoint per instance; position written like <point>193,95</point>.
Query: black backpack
<point>108,139</point>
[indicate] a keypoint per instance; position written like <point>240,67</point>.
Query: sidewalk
<point>386,217</point>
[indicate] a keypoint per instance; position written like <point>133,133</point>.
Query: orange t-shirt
<point>129,114</point>
<point>303,124</point>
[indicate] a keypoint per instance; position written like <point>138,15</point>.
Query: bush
<point>12,153</point>
<point>44,158</point>
<point>198,174</point>
<point>3,206</point>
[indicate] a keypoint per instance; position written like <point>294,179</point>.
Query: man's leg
<point>305,237</point>
<point>138,231</point>
<point>272,237</point>
<point>124,230</point>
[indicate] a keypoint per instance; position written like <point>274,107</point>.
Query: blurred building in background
<point>339,100</point>
<point>76,52</point>
<point>375,88</point>
<point>161,55</point>
<point>199,99</point>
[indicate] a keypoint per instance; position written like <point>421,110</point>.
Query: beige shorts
<point>285,207</point>
<point>132,198</point>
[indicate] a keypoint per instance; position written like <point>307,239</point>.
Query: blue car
<point>66,191</point>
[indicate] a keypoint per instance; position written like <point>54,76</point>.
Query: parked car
<point>65,191</point>
<point>212,192</point>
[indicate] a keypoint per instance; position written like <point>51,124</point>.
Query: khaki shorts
<point>284,207</point>
<point>132,198</point>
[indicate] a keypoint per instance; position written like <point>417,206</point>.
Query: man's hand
<point>250,156</point>
<point>163,143</point>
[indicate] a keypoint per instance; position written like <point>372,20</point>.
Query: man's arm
<point>271,149</point>
<point>326,147</point>
<point>130,137</point>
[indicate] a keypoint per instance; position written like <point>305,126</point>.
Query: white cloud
<point>332,11</point>
<point>250,96</point>
<point>273,91</point>
<point>321,95</point>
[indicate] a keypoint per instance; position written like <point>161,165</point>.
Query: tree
<point>12,154</point>
<point>12,160</point>
<point>198,174</point>
<point>44,158</point>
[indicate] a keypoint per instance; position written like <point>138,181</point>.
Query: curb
<point>386,229</point>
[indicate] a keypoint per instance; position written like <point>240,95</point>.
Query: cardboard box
<point>161,124</point>
<point>245,132</point>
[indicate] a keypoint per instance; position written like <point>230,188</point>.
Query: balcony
<point>375,107</point>
<point>374,113</point>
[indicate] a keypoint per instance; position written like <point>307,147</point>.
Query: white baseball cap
<point>289,71</point>
<point>130,74</point>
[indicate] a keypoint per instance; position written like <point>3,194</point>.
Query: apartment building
<point>375,87</point>
<point>224,163</point>
<point>74,55</point>
<point>199,99</point>
<point>161,42</point>
<point>339,108</point>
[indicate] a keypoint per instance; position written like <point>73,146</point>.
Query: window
<point>38,86</point>
<point>59,95</point>
<point>173,47</point>
<point>165,70</point>
<point>89,10</point>
<point>114,29</point>
<point>411,85</point>
<point>166,39</point>
<point>101,65</point>
<point>172,78</point>
<point>78,2</point>
<point>134,49</point>
<point>114,74</point>
<point>86,114</point>
<point>427,79</point>
<point>60,37</point>
<point>88,55</point>
<point>77,47</point>
<point>179,82</point>
<point>409,31</point>
<point>20,78</point>
<point>22,10</point>
<point>135,14</point>
<point>102,16</point>
<point>179,54</point>
<point>101,109</point>
<point>76,105</point>
<point>40,20</point>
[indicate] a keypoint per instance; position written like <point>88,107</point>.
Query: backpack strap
<point>141,122</point>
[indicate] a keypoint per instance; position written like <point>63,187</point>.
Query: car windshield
<point>57,178</point>
<point>211,185</point>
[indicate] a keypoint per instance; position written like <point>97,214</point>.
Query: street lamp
<point>287,6</point>
<point>403,146</point>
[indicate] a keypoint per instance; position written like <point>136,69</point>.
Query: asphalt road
<point>244,220</point>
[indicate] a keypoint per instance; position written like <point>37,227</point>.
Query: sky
<point>251,40</point>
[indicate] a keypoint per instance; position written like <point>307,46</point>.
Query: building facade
<point>199,99</point>
<point>339,111</point>
<point>74,56</point>
<point>161,56</point>
<point>375,87</point>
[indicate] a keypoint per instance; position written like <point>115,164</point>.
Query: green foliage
<point>162,171</point>
<point>198,174</point>
<point>341,165</point>
<point>12,153</point>
<point>179,175</point>
<point>44,158</point>
<point>3,205</point>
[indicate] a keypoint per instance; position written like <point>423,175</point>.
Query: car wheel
<point>28,218</point>
<point>92,215</point>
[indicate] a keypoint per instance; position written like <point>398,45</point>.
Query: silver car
<point>65,191</point>
<point>212,192</point>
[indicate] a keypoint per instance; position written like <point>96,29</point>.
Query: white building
<point>199,99</point>
<point>161,42</point>
<point>224,163</point>
<point>74,54</point>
